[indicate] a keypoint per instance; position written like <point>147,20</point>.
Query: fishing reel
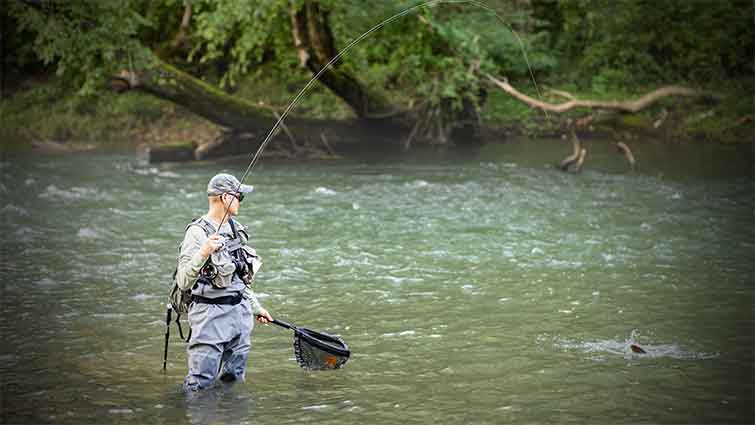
<point>243,268</point>
<point>208,272</point>
<point>244,263</point>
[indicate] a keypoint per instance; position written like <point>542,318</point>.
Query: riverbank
<point>41,114</point>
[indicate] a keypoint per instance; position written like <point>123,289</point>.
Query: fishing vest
<point>234,258</point>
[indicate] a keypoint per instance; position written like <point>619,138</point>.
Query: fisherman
<point>217,266</point>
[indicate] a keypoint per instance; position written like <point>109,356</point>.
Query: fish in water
<point>637,349</point>
<point>331,362</point>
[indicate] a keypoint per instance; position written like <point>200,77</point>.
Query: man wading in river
<point>218,267</point>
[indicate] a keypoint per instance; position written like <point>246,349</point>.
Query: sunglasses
<point>239,196</point>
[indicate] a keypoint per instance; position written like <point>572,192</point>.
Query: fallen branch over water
<point>577,158</point>
<point>622,105</point>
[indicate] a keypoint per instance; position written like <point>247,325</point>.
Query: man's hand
<point>264,316</point>
<point>211,244</point>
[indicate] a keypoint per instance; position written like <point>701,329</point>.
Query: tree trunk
<point>170,83</point>
<point>245,124</point>
<point>314,41</point>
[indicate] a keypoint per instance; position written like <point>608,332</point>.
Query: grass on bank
<point>51,112</point>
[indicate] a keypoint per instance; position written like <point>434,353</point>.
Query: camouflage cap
<point>224,183</point>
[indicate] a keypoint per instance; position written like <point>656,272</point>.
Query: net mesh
<point>319,351</point>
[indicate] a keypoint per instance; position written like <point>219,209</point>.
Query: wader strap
<point>181,331</point>
<point>204,224</point>
<point>226,300</point>
<point>235,232</point>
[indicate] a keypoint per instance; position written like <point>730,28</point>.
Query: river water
<point>478,287</point>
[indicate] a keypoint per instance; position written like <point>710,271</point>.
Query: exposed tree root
<point>624,149</point>
<point>571,159</point>
<point>577,158</point>
<point>580,161</point>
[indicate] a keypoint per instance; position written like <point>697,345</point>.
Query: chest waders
<point>180,300</point>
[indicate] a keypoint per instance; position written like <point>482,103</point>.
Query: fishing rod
<point>427,4</point>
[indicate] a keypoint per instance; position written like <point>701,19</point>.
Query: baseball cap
<point>224,183</point>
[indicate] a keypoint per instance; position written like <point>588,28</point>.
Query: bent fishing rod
<point>427,4</point>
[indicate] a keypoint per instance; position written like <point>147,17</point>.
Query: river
<point>484,287</point>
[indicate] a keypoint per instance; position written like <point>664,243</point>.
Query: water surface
<point>486,287</point>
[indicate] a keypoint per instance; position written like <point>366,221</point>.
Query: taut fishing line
<point>427,4</point>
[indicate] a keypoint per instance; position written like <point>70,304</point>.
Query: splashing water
<point>629,348</point>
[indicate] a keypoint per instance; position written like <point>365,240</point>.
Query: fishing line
<point>427,4</point>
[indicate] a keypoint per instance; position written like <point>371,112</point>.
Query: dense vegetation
<point>594,48</point>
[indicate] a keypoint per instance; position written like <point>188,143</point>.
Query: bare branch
<point>562,93</point>
<point>298,30</point>
<point>408,142</point>
<point>580,160</point>
<point>327,145</point>
<point>184,27</point>
<point>626,105</point>
<point>288,132</point>
<point>571,159</point>
<point>623,148</point>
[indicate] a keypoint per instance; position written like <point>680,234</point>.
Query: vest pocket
<point>226,268</point>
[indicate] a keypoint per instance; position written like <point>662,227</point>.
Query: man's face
<point>232,201</point>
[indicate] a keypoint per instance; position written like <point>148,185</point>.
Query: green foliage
<point>240,33</point>
<point>505,111</point>
<point>267,89</point>
<point>423,56</point>
<point>55,111</point>
<point>17,45</point>
<point>595,48</point>
<point>429,55</point>
<point>630,42</point>
<point>86,40</point>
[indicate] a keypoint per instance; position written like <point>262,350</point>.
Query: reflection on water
<point>221,404</point>
<point>483,290</point>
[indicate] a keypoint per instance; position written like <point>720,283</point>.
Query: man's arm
<point>191,258</point>
<point>258,311</point>
<point>256,306</point>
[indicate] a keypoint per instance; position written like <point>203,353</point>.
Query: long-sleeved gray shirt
<point>191,260</point>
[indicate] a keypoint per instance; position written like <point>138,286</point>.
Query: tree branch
<point>624,149</point>
<point>298,30</point>
<point>184,27</point>
<point>577,150</point>
<point>626,105</point>
<point>580,160</point>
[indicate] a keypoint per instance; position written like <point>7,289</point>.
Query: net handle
<point>283,324</point>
